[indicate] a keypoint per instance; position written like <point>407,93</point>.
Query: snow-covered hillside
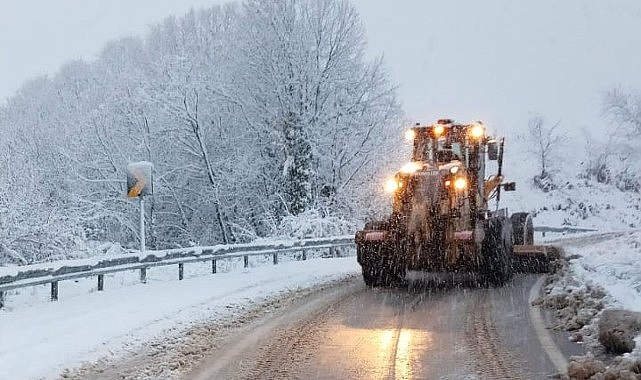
<point>578,203</point>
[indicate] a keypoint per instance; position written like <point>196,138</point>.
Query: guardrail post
<point>1,300</point>
<point>304,255</point>
<point>143,275</point>
<point>54,291</point>
<point>101,282</point>
<point>275,258</point>
<point>246,261</point>
<point>213,267</point>
<point>181,269</point>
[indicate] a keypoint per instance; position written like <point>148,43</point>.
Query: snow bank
<point>602,273</point>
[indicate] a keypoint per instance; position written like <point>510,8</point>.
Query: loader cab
<point>444,142</point>
<point>439,144</point>
<point>447,151</point>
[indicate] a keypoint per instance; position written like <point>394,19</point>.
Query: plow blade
<point>534,258</point>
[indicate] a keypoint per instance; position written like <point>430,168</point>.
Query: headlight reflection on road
<point>381,353</point>
<point>386,339</point>
<point>403,366</point>
<point>400,350</point>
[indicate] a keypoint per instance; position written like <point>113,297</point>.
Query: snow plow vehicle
<point>441,221</point>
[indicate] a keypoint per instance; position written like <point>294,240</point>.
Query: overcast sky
<point>495,60</point>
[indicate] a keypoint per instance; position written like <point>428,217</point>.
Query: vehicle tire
<point>507,262</point>
<point>498,251</point>
<point>393,274</point>
<point>523,228</point>
<point>370,259</point>
<point>378,269</point>
<point>371,276</point>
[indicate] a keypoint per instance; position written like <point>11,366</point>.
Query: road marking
<point>547,343</point>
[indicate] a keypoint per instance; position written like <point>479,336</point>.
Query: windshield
<point>438,151</point>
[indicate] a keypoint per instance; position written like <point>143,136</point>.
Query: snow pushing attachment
<point>441,221</point>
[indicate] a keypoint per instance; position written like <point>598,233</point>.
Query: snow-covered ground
<point>39,339</point>
<point>611,262</point>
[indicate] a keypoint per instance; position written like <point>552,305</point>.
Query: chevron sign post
<point>139,184</point>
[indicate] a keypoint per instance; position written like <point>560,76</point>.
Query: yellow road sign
<point>139,179</point>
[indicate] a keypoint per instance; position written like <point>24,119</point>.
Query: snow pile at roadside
<point>613,264</point>
<point>602,273</point>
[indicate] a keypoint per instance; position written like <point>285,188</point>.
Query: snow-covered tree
<point>250,114</point>
<point>546,144</point>
<point>624,161</point>
<point>309,92</point>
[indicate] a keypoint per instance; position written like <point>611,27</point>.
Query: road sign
<point>139,179</point>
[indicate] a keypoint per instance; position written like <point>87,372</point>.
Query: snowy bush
<point>544,182</point>
<point>311,224</point>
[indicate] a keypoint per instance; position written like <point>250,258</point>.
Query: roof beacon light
<point>438,130</point>
<point>477,131</point>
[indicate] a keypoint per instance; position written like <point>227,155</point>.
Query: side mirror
<point>509,186</point>
<point>492,150</point>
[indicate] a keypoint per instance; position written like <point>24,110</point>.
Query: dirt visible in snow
<point>617,330</point>
<point>581,309</point>
<point>588,367</point>
<point>575,305</point>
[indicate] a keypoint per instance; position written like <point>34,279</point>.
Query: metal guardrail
<point>52,273</point>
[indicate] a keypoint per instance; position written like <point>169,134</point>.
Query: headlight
<point>410,167</point>
<point>392,185</point>
<point>460,183</point>
<point>410,135</point>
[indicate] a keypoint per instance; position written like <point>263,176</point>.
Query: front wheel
<point>498,251</point>
<point>523,228</point>
<point>378,267</point>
